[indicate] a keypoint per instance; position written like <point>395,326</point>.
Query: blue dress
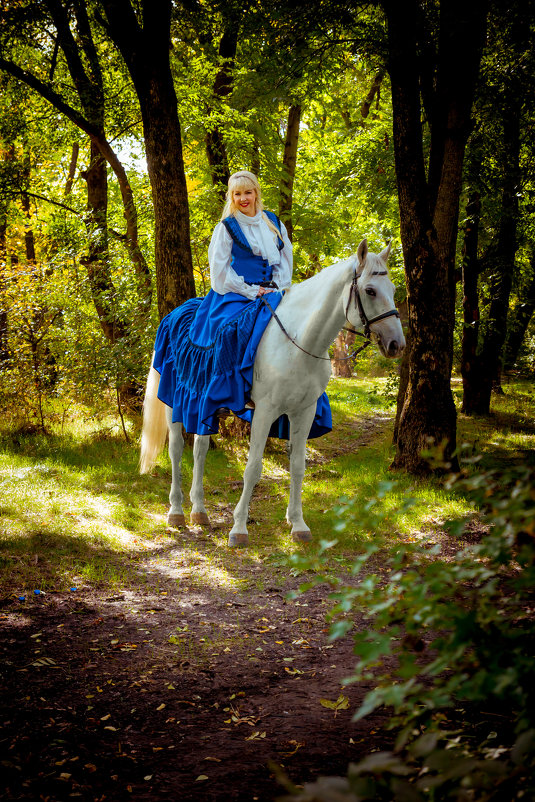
<point>205,349</point>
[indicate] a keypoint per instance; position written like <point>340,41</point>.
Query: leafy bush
<point>459,632</point>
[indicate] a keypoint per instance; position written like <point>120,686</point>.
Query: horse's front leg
<point>262,420</point>
<point>299,430</point>
<point>175,516</point>
<point>199,515</point>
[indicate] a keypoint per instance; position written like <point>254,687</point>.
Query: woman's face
<point>245,200</point>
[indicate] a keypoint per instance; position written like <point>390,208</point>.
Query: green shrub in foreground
<point>462,633</point>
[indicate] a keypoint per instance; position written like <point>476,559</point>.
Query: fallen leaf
<point>44,662</point>
<point>342,703</point>
<point>255,735</point>
<point>201,777</point>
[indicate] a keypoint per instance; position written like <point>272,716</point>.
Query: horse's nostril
<point>393,347</point>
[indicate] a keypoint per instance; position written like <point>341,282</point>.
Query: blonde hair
<point>246,180</point>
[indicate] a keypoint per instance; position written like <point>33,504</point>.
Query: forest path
<point>193,684</point>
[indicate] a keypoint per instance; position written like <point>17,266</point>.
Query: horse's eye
<point>371,292</point>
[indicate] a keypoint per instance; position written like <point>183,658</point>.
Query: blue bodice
<point>253,268</point>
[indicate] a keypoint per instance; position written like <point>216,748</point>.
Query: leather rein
<point>366,322</point>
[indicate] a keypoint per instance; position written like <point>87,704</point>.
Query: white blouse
<point>263,243</point>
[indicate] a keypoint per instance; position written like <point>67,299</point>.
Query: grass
<point>74,511</point>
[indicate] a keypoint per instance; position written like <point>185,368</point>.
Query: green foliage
<point>447,637</point>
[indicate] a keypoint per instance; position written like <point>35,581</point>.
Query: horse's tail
<point>154,429</point>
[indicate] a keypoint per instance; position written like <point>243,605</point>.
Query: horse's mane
<point>324,273</point>
<point>370,267</point>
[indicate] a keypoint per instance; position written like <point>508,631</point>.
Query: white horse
<point>291,371</point>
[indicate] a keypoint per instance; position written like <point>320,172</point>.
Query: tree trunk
<point>215,145</point>
<point>495,329</point>
<point>72,168</point>
<point>520,322</point>
<point>341,366</point>
<point>146,54</point>
<point>375,89</point>
<point>428,216</point>
<point>289,163</point>
<point>96,261</point>
<point>470,273</point>
<point>4,353</point>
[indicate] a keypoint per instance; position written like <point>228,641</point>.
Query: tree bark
<point>96,261</point>
<point>495,328</point>
<point>4,352</point>
<point>375,89</point>
<point>215,144</point>
<point>428,217</point>
<point>470,275</point>
<point>520,321</point>
<point>72,169</point>
<point>145,50</point>
<point>341,366</point>
<point>289,163</point>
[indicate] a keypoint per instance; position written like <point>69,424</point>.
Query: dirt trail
<point>188,689</point>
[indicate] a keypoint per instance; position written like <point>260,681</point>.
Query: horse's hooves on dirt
<point>199,519</point>
<point>302,537</point>
<point>238,539</point>
<point>176,520</point>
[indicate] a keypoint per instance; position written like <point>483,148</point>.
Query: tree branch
<point>47,200</point>
<point>49,94</point>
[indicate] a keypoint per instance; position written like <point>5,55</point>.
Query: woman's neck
<point>247,218</point>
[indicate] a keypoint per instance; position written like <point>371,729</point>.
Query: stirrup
<point>223,412</point>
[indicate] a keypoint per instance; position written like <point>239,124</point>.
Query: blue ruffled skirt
<point>205,351</point>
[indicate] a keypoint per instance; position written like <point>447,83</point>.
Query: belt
<point>263,284</point>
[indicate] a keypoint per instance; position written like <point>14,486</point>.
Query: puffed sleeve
<point>222,277</point>
<point>282,274</point>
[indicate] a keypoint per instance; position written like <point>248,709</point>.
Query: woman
<point>205,349</point>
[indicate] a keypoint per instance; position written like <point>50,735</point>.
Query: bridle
<point>366,322</point>
<point>364,319</point>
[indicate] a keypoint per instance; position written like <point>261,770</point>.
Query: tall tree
<point>144,44</point>
<point>439,81</point>
<point>289,164</point>
<point>500,170</point>
<point>520,319</point>
<point>83,65</point>
<point>471,317</point>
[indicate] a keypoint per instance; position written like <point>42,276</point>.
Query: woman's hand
<point>264,290</point>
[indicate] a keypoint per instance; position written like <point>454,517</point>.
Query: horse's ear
<point>362,251</point>
<point>386,252</point>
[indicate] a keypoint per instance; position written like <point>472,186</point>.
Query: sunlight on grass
<point>74,508</point>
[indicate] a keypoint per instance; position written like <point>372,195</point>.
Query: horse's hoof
<point>199,519</point>
<point>238,539</point>
<point>302,537</point>
<point>176,519</point>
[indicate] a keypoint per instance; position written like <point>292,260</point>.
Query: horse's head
<point>370,302</point>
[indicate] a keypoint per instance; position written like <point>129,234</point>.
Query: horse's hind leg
<point>199,515</point>
<point>260,427</point>
<point>299,431</point>
<point>175,516</point>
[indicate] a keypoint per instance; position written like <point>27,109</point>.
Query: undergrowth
<point>449,644</point>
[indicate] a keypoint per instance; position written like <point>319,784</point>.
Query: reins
<point>366,322</point>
